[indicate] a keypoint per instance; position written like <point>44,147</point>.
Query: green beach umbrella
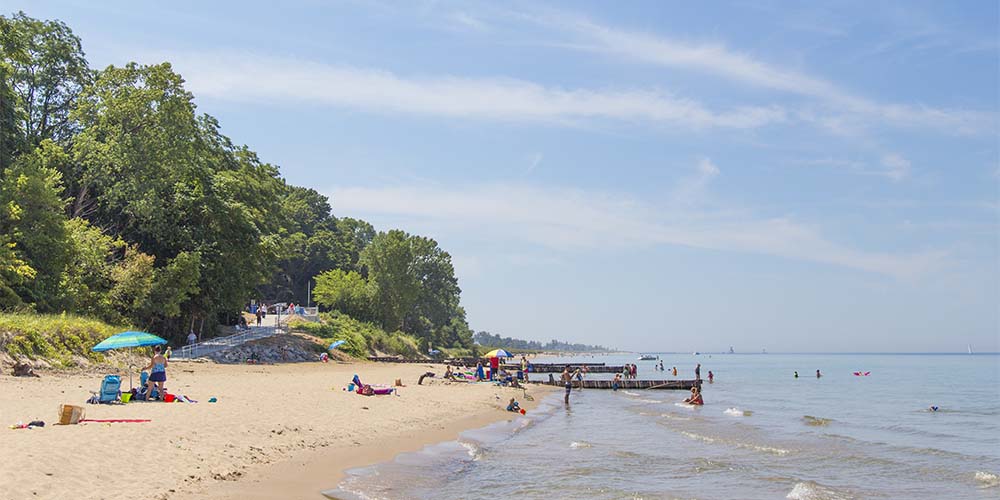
<point>128,339</point>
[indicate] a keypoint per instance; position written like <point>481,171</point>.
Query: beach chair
<point>111,388</point>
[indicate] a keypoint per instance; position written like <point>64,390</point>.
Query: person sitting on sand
<point>449,374</point>
<point>695,398</point>
<point>158,372</point>
<point>513,406</point>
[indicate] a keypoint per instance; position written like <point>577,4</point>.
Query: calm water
<point>837,437</point>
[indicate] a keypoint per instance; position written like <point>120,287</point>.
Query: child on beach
<point>513,406</point>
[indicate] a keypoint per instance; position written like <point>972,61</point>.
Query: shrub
<point>54,338</point>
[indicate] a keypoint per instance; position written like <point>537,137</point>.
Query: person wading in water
<point>567,380</point>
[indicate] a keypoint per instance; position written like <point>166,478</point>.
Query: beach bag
<point>70,414</point>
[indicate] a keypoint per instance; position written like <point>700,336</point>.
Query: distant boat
<point>763,351</point>
<point>648,357</point>
<point>970,348</point>
<point>696,353</point>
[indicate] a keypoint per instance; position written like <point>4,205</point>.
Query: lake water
<point>762,434</point>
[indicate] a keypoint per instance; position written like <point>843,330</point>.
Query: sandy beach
<point>277,431</point>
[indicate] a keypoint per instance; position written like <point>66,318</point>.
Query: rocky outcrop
<point>277,349</point>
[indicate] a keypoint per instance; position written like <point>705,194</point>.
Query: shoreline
<point>277,431</point>
<point>308,474</point>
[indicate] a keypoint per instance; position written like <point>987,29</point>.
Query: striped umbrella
<point>498,353</point>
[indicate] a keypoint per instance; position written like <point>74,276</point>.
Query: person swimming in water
<point>818,374</point>
<point>796,374</point>
<point>711,377</point>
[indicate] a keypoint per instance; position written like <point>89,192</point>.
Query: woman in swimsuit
<point>157,374</point>
<point>695,398</point>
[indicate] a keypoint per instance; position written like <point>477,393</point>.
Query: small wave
<point>580,444</point>
<point>650,401</point>
<point>474,450</point>
<point>739,444</point>
<point>809,490</point>
<point>630,393</point>
<point>736,412</point>
<point>698,437</point>
<point>685,406</point>
<point>816,421</point>
<point>987,479</point>
<point>671,416</point>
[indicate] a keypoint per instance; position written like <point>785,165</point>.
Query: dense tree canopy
<point>119,200</point>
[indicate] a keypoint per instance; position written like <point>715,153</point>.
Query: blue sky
<point>646,175</point>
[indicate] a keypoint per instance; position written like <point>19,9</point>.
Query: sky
<point>646,175</point>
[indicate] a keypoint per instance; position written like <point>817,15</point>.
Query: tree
<point>48,78</point>
<point>388,259</point>
<point>345,291</point>
<point>31,214</point>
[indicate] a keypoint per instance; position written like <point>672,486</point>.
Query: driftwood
<point>24,370</point>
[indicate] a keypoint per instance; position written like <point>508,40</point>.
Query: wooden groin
<point>677,385</point>
<point>559,368</point>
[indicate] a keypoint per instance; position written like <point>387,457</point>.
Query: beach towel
<point>116,420</point>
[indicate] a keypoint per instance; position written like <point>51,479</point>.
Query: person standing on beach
<point>697,372</point>
<point>258,316</point>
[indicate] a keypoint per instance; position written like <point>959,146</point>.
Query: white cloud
<point>250,77</point>
<point>570,219</point>
<point>896,167</point>
<point>467,21</point>
<point>536,160</point>
<point>717,59</point>
<point>691,190</point>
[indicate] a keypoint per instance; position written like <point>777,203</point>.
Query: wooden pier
<point>677,385</point>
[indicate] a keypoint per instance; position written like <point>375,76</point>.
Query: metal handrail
<point>216,344</point>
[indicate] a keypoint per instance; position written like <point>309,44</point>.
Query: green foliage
<point>31,215</point>
<point>346,292</point>
<point>55,338</point>
<point>362,338</point>
<point>47,77</point>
